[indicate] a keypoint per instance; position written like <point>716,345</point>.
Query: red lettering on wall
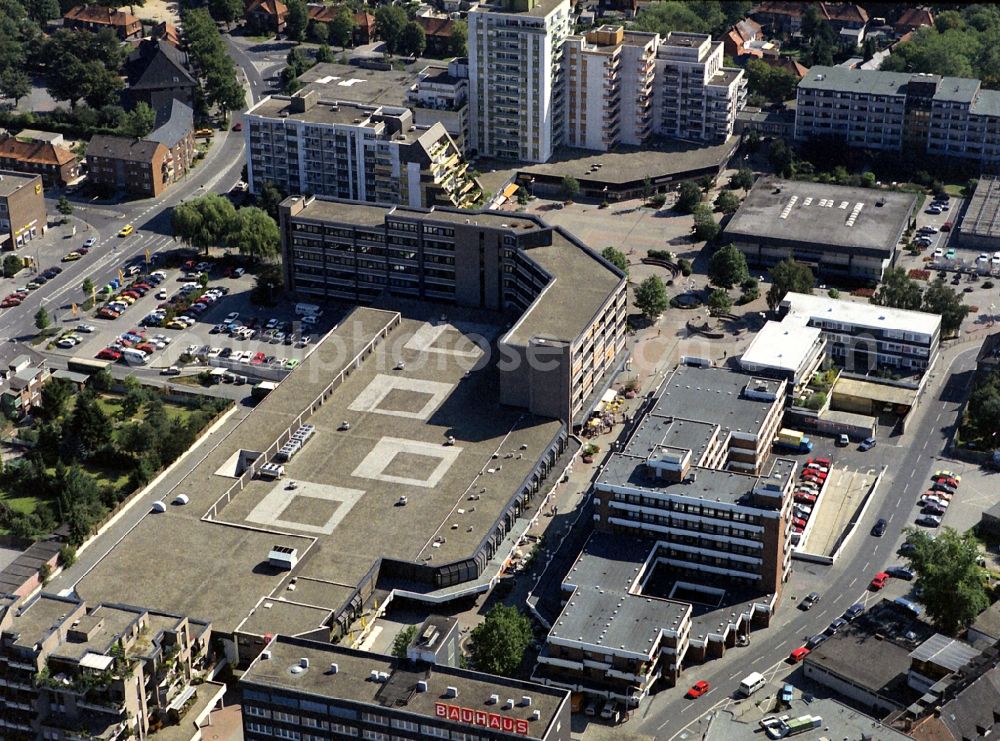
<point>481,718</point>
<point>440,710</point>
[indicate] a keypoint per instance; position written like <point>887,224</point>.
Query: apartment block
<point>516,79</point>
<point>863,336</point>
<point>569,334</point>
<point>609,77</point>
<point>348,150</point>
<point>57,165</point>
<point>23,389</point>
<point>695,97</point>
<point>139,167</point>
<point>22,209</point>
<point>302,690</point>
<point>441,93</point>
<point>947,117</point>
<point>69,670</point>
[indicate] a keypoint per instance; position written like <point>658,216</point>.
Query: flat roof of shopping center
<point>780,346</point>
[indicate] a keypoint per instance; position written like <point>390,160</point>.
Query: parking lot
<point>230,327</point>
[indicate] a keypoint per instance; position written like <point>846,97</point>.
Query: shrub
<point>685,266</point>
<point>658,200</point>
<point>833,293</point>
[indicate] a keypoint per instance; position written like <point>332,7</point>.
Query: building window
<point>261,728</point>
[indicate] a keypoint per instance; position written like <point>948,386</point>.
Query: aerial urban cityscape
<point>501,369</point>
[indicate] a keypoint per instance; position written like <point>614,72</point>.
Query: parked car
<point>900,572</point>
<point>798,654</point>
<point>880,580</point>
<point>867,444</point>
<point>835,626</point>
<point>816,640</point>
<point>929,521</point>
<point>172,370</point>
<point>853,612</point>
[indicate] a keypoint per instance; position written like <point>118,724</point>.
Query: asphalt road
<point>910,459</point>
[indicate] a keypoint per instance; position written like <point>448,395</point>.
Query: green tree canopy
<point>953,586</point>
<point>651,297</point>
<point>84,65</point>
<point>389,23</point>
<point>89,423</point>
<point>203,222</point>
<point>898,291</point>
<point>982,413</point>
<point>781,157</point>
<point>728,267</point>
<point>742,179</point>
<point>254,233</point>
<point>719,302</point>
<point>226,11</point>
<point>55,395</point>
<point>497,645</point>
<point>706,228</point>
<point>697,16</point>
<point>786,276</point>
<point>324,54</point>
<point>14,84</point>
<point>688,196</point>
<point>412,39</point>
<point>727,202</point>
<point>402,641</point>
<point>296,20</point>
<point>342,28</point>
<point>63,206</point>
<point>616,257</point>
<point>774,84</point>
<point>458,41</point>
<point>140,121</point>
<point>942,299</point>
<point>319,33</point>
<point>42,319</point>
<point>570,186</point>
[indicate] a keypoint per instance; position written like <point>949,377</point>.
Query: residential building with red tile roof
<point>98,18</point>
<point>912,19</point>
<point>786,17</point>
<point>57,165</point>
<point>364,23</point>
<point>266,15</point>
<point>437,30</point>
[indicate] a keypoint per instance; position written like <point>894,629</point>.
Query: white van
<point>303,309</point>
<point>751,683</point>
<point>133,357</point>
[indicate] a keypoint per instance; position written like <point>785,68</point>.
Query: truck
<point>793,440</point>
<point>262,389</point>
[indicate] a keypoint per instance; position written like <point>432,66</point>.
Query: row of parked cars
<point>132,291</point>
<point>242,357</point>
<point>275,331</point>
<point>134,347</point>
<point>15,298</point>
<point>934,502</point>
<point>194,309</point>
<point>851,614</point>
<point>812,477</point>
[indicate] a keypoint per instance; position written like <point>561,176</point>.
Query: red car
<point>798,654</point>
<point>947,481</point>
<point>238,126</point>
<point>108,354</point>
<point>10,302</point>
<point>821,461</point>
<point>257,359</point>
<point>879,581</point>
<point>799,522</point>
<point>146,348</point>
<point>698,689</point>
<point>803,497</point>
<point>107,313</point>
<point>946,226</point>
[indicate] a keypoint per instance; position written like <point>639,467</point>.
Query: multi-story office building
<point>349,150</point>
<point>674,527</point>
<point>22,209</point>
<point>862,337</point>
<point>303,690</point>
<point>516,81</point>
<point>441,93</point>
<point>570,333</point>
<point>695,97</point>
<point>69,671</point>
<point>947,117</point>
<point>609,77</point>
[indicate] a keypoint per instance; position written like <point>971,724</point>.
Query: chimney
<point>509,704</point>
<point>536,714</point>
<point>421,686</point>
<point>526,700</point>
<point>304,662</point>
<point>451,691</point>
<point>334,668</point>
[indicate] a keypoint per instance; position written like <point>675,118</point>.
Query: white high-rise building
<point>516,82</point>
<point>695,96</point>
<point>609,87</point>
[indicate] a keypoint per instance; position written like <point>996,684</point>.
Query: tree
<point>728,267</point>
<point>226,11</point>
<point>719,302</point>
<point>254,233</point>
<point>402,641</point>
<point>42,320</point>
<point>269,197</point>
<point>706,228</point>
<point>87,287</point>
<point>324,54</point>
<point>83,65</point>
<point>458,40</point>
<point>296,20</point>
<point>319,33</point>
<point>742,179</point>
<point>55,394</point>
<point>497,645</point>
<point>898,291</point>
<point>389,23</point>
<point>941,299</point>
<point>688,196</point>
<point>773,83</point>
<point>781,158</point>
<point>12,265</point>
<point>953,586</point>
<point>786,276</point>
<point>982,413</point>
<point>727,202</point>
<point>42,11</point>
<point>342,27</point>
<point>616,258</point>
<point>570,186</point>
<point>651,297</point>
<point>63,206</point>
<point>15,85</point>
<point>203,222</point>
<point>412,40</point>
<point>88,423</point>
<point>140,121</point>
<point>270,281</point>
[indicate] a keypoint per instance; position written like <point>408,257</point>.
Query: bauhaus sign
<point>493,721</point>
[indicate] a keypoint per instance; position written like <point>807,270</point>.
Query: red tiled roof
<point>274,8</point>
<point>39,153</point>
<point>100,14</point>
<point>844,12</point>
<point>435,26</point>
<point>915,18</point>
<point>168,32</point>
<point>365,20</point>
<point>788,64</point>
<point>322,13</point>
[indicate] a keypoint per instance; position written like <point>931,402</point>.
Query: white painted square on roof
<point>349,83</point>
<point>326,79</point>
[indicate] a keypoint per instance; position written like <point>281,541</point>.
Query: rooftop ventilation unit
<point>421,686</point>
<point>451,691</point>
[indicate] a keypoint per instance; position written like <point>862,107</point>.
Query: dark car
<point>853,612</point>
<point>816,640</point>
<point>900,572</point>
<point>809,601</point>
<point>879,530</point>
<point>907,549</point>
<point>836,625</point>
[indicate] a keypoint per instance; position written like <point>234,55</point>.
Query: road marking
<point>913,473</point>
<point>899,501</point>
<point>891,515</point>
<point>819,616</point>
<point>735,675</point>
<point>867,564</point>
<point>852,582</point>
<point>875,551</point>
<point>759,658</point>
<point>783,643</point>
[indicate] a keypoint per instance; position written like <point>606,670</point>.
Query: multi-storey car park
<point>841,233</point>
<point>691,541</point>
<point>424,466</point>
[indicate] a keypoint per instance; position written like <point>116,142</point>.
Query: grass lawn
<point>954,189</point>
<point>26,504</point>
